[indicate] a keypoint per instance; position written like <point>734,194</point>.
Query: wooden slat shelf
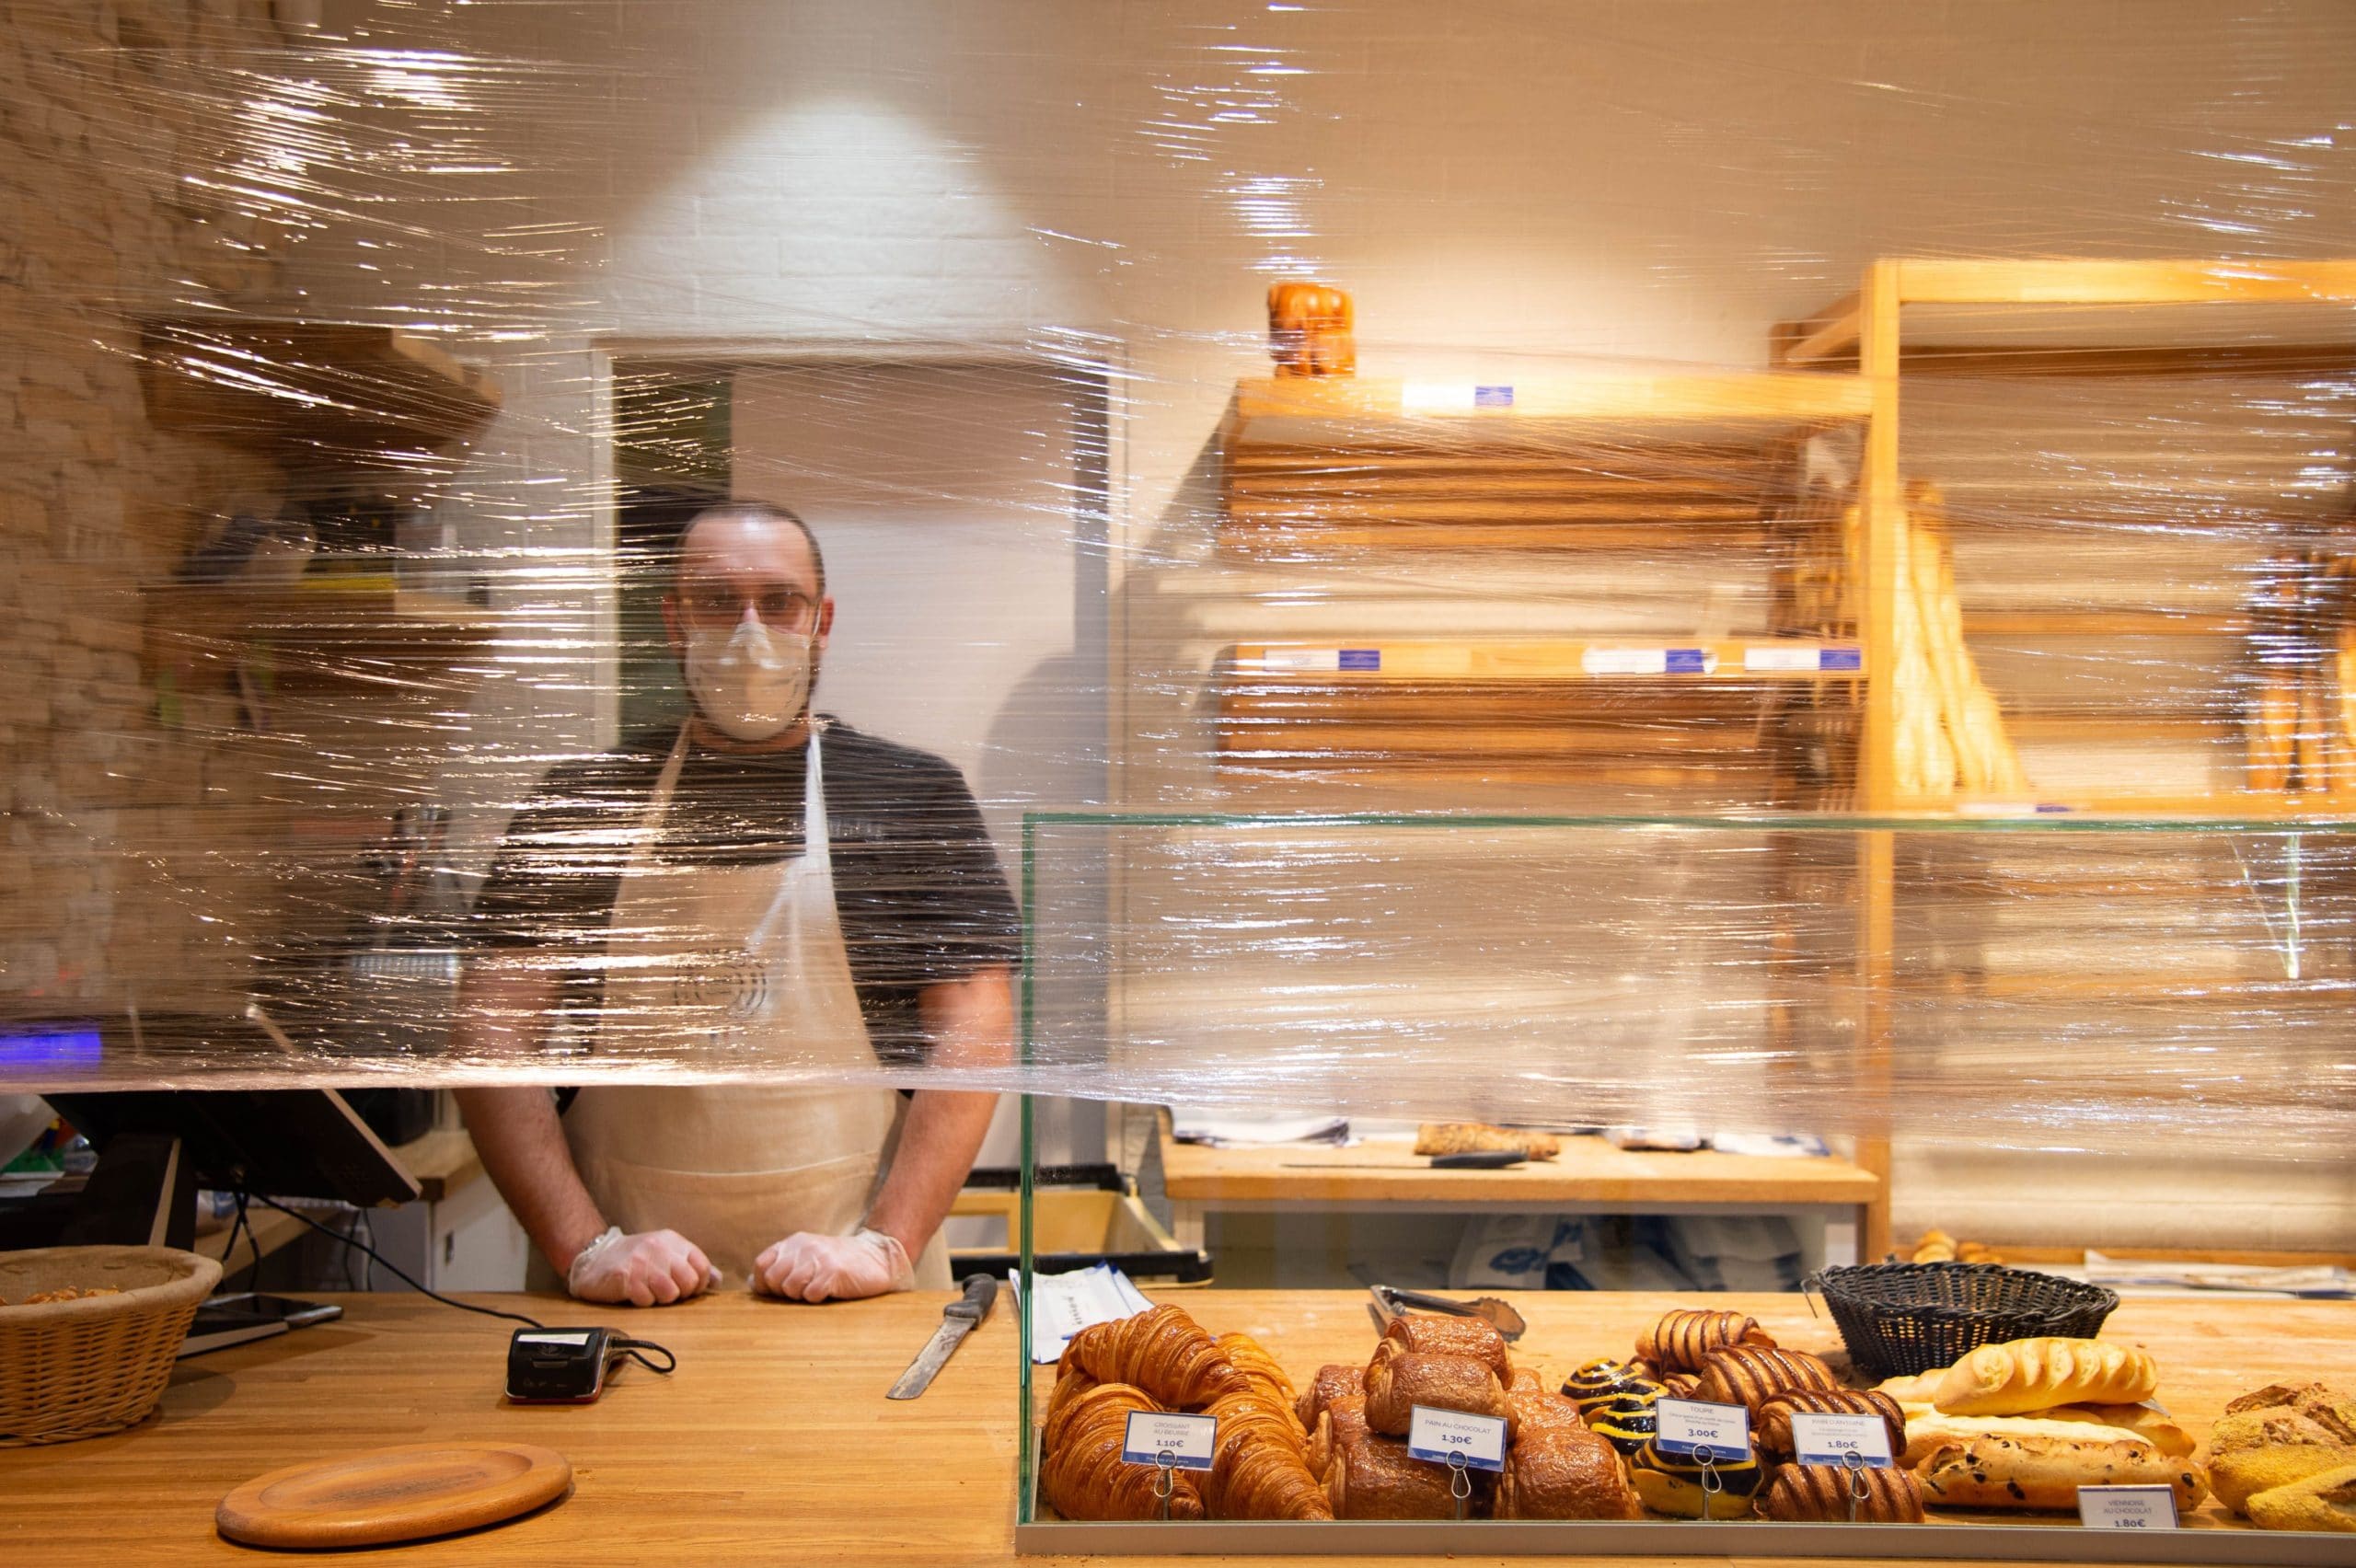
<point>1694,400</point>
<point>1385,659</point>
<point>315,395</point>
<point>358,616</point>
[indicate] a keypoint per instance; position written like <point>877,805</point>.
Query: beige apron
<point>751,959</point>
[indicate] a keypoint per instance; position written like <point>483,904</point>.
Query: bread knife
<point>959,1318</point>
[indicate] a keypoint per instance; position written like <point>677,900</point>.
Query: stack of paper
<point>1198,1126</point>
<point>1063,1304</point>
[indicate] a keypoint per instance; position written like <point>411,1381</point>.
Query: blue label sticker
<point>1687,661</point>
<point>1361,658</point>
<point>1840,659</point>
<point>1493,397</point>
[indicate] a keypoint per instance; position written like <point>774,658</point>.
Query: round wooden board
<point>388,1494</point>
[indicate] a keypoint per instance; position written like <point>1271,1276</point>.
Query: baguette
<point>1928,1429</point>
<point>2023,1376</point>
<point>2042,1472</point>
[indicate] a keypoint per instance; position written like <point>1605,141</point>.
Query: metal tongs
<point>1390,1301</point>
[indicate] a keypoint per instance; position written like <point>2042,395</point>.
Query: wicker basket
<point>1910,1317</point>
<point>72,1369</point>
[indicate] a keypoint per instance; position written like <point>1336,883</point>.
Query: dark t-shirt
<point>917,885</point>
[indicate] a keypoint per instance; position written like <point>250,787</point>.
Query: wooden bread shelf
<point>314,396</point>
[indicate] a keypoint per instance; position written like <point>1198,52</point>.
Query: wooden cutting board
<point>388,1494</point>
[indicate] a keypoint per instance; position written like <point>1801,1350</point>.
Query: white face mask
<point>749,681</point>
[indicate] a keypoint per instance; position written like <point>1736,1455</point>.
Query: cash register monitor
<point>158,1147</point>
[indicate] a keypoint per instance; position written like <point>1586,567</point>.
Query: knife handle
<point>1479,1159</point>
<point>981,1293</point>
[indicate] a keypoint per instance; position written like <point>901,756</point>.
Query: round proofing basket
<point>1913,1318</point>
<point>72,1369</point>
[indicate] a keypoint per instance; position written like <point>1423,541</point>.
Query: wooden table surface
<point>773,1443</point>
<point>1588,1172</point>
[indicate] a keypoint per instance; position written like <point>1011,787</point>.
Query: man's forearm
<point>969,1023</point>
<point>521,1144</point>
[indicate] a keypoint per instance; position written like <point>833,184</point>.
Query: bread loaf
<point>2022,1376</point>
<point>2325,1501</point>
<point>1821,1495</point>
<point>1399,1380</point>
<point>1477,1137</point>
<point>1748,1375</point>
<point>1564,1472</point>
<point>1773,1417</point>
<point>1683,1341</point>
<point>2278,1436</point>
<point>1433,1333</point>
<point>1927,1430</point>
<point>2045,1473</point>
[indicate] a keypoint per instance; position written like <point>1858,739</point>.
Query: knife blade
<point>959,1318</point>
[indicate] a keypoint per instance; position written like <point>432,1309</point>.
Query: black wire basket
<point>1900,1318</point>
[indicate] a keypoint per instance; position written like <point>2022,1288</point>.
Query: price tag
<point>2127,1508</point>
<point>1682,1427</point>
<point>1438,1437</point>
<point>1186,1440</point>
<point>1830,1439</point>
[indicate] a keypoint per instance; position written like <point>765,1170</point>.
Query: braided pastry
<point>1163,1352</point>
<point>1400,1380</point>
<point>1332,1380</point>
<point>1258,1471</point>
<point>1749,1375</point>
<point>1432,1333</point>
<point>1683,1341</point>
<point>1820,1494</point>
<point>1774,1415</point>
<point>1081,1471</point>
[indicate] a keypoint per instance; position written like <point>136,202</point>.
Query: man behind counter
<point>761,886</point>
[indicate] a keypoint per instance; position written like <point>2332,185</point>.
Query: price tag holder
<point>1685,1427</point>
<point>1456,1437</point>
<point>1174,1442</point>
<point>1833,1439</point>
<point>2127,1508</point>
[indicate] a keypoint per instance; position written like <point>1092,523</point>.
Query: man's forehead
<point>746,546</point>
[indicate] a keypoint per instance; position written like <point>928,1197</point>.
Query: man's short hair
<point>753,511</point>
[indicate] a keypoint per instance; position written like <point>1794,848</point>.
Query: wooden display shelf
<point>1698,400</point>
<point>1589,1175</point>
<point>314,395</point>
<point>322,627</point>
<point>1383,661</point>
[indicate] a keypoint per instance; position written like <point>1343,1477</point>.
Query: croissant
<point>1332,1380</point>
<point>1820,1494</point>
<point>1249,1357</point>
<point>1774,1415</point>
<point>1397,1381</point>
<point>1081,1470</point>
<point>1371,1477</point>
<point>1258,1471</point>
<point>1683,1341</point>
<point>1749,1375</point>
<point>1070,1386</point>
<point>2028,1374</point>
<point>1431,1334</point>
<point>1565,1473</point>
<point>1163,1352</point>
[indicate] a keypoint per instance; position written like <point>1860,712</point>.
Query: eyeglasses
<point>787,609</point>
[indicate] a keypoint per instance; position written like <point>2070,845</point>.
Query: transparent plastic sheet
<point>367,365</point>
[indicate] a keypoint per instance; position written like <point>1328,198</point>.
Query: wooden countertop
<point>773,1443</point>
<point>1588,1171</point>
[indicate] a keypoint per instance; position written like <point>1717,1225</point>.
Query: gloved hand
<point>652,1268</point>
<point>809,1268</point>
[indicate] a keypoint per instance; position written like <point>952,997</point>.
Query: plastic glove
<point>652,1268</point>
<point>809,1268</point>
